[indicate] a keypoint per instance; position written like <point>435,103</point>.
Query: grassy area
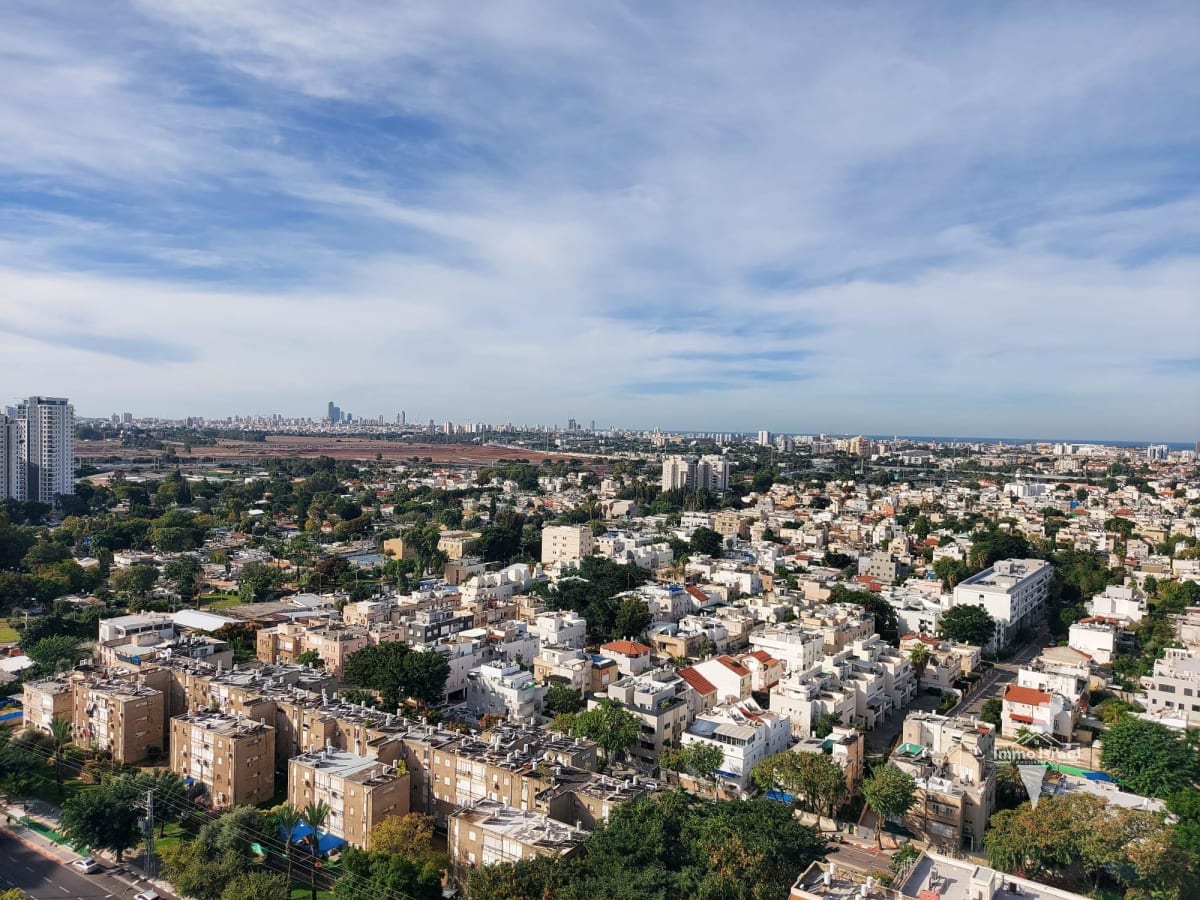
<point>8,634</point>
<point>171,836</point>
<point>216,602</point>
<point>45,788</point>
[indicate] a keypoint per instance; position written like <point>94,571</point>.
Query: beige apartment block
<point>233,757</point>
<point>488,832</point>
<point>124,718</point>
<point>566,543</point>
<point>45,701</point>
<point>361,791</point>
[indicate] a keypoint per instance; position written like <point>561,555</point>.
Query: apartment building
<point>564,665</point>
<point>949,661</point>
<point>796,646</point>
<point>631,657</point>
<point>1013,591</point>
<point>1037,711</point>
<point>37,448</point>
<point>45,701</point>
<point>234,758</point>
<point>1119,602</point>
<point>1172,690</point>
<point>953,763</point>
<point>361,791</point>
<point>425,627</point>
<point>566,543</point>
<point>660,701</point>
<point>745,733</point>
<point>504,689</point>
<point>807,697</point>
<point>845,746</point>
<point>561,629</point>
<point>488,832</point>
<point>455,544</point>
<point>120,716</point>
<point>732,680</point>
<point>1097,637</point>
<point>708,473</point>
<point>286,642</point>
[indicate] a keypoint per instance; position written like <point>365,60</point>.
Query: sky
<point>917,218</point>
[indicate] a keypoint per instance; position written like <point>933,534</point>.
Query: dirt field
<point>281,445</point>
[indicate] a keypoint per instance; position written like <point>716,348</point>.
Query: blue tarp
<point>326,844</point>
<point>780,796</point>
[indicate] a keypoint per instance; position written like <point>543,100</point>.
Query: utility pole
<point>151,861</point>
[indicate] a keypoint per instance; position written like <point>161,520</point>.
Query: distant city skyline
<point>883,218</point>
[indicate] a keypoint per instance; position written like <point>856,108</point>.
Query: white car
<point>148,895</point>
<point>86,865</point>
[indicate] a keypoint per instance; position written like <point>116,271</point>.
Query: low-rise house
<point>631,657</point>
<point>1037,711</point>
<point>745,733</point>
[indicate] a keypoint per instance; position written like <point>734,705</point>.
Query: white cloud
<point>527,210</point>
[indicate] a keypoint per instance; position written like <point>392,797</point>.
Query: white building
<point>1013,591</point>
<point>1096,638</point>
<point>798,648</point>
<point>745,733</point>
<point>561,629</point>
<point>504,690</point>
<point>566,543</point>
<point>1173,688</point>
<point>708,473</point>
<point>1119,602</point>
<point>39,450</point>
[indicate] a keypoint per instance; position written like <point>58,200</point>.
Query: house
<point>745,733</point>
<point>1040,712</point>
<point>631,657</point>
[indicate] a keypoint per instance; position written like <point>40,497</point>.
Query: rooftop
<point>531,829</point>
<point>952,879</point>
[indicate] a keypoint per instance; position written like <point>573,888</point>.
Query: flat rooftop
<point>953,879</point>
<point>350,766</point>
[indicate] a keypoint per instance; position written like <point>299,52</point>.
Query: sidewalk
<point>37,827</point>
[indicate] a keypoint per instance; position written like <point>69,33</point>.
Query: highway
<point>44,878</point>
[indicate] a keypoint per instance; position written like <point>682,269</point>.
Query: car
<point>86,865</point>
<point>148,895</point>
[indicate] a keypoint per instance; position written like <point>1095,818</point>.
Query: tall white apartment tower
<point>47,455</point>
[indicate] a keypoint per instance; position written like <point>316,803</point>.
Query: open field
<point>283,445</point>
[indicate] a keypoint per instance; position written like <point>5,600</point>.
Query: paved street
<point>46,878</point>
<point>1003,674</point>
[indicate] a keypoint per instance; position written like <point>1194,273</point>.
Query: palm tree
<point>919,657</point>
<point>60,732</point>
<point>316,815</point>
<point>1008,782</point>
<point>287,817</point>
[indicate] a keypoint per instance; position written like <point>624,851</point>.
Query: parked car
<point>148,895</point>
<point>86,865</point>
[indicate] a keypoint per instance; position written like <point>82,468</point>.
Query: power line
<point>182,808</point>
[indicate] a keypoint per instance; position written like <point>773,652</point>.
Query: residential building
<point>745,733</point>
<point>732,680</point>
<point>631,657</point>
<point>797,647</point>
<point>1119,602</point>
<point>504,689</point>
<point>845,746</point>
<point>12,456</point>
<point>708,473</point>
<point>45,701</point>
<point>660,701</point>
<point>1013,591</point>
<point>1037,711</point>
<point>234,758</point>
<point>949,661</point>
<point>488,832</point>
<point>805,698</point>
<point>561,629</point>
<point>564,665</point>
<point>882,566</point>
<point>566,543</point>
<point>953,763</point>
<point>1095,636</point>
<point>1173,688</point>
<point>361,791</point>
<point>42,446</point>
<point>122,717</point>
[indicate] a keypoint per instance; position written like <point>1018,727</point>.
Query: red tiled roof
<point>763,657</point>
<point>626,648</point>
<point>733,666</point>
<point>1017,717</point>
<point>697,593</point>
<point>1014,693</point>
<point>697,681</point>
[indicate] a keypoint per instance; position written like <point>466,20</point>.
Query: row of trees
<point>397,672</point>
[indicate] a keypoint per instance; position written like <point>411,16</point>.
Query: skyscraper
<point>12,453</point>
<point>40,450</point>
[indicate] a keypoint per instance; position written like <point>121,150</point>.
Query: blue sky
<point>913,218</point>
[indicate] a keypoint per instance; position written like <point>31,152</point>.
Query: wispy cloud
<point>535,210</point>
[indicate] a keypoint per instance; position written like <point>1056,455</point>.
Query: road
<point>43,878</point>
<point>1002,675</point>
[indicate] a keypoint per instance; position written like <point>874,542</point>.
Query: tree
<point>372,874</point>
<point>967,624</point>
<point>135,581</point>
<point>951,571</point>
<point>614,728</point>
<point>171,798</point>
<point>825,724</point>
<point>887,624</point>
<point>310,658</point>
<point>633,617</point>
<point>424,676</point>
<point>816,782</point>
<point>332,568</point>
<point>315,816</point>
<point>60,733</point>
<point>410,836</point>
<point>1010,789</point>
<point>287,817</point>
<point>1149,758</point>
<point>992,711</point>
<point>919,657</point>
<point>104,816</point>
<point>888,792</point>
<point>562,698</point>
<point>184,573</point>
<point>699,759</point>
<point>195,871</point>
<point>257,581</point>
<point>257,886</point>
<point>706,541</point>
